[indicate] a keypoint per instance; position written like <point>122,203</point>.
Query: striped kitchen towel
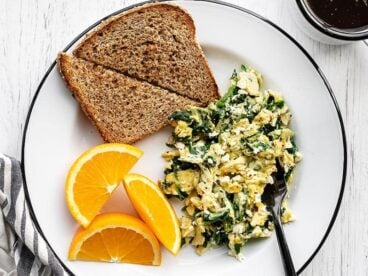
<point>23,251</point>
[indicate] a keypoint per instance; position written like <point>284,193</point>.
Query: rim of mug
<point>342,34</point>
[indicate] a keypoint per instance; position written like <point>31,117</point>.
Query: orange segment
<point>115,237</point>
<point>95,175</point>
<point>154,209</point>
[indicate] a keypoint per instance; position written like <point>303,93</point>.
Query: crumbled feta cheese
<point>239,228</point>
<point>218,149</point>
<point>179,145</point>
<point>213,134</point>
<point>225,158</point>
<point>242,83</point>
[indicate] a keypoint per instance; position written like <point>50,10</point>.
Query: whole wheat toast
<point>122,108</point>
<point>155,43</point>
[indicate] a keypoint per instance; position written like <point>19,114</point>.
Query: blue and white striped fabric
<point>23,251</point>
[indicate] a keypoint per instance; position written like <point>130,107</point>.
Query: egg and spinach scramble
<point>221,159</point>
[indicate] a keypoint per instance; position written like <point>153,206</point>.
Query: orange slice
<point>154,209</point>
<point>94,176</point>
<point>117,238</point>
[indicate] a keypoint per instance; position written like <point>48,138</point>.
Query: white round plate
<point>57,132</point>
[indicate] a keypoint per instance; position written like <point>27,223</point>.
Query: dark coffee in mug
<point>341,14</point>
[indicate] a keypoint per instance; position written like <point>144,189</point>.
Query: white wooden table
<point>32,32</point>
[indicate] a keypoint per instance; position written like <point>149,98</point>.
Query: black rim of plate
<point>335,213</point>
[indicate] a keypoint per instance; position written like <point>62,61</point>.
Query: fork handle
<point>284,249</point>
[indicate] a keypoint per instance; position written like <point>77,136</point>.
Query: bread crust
<point>63,69</point>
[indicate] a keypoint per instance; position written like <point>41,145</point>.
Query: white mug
<point>320,31</point>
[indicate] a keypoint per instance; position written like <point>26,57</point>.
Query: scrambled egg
<point>222,157</point>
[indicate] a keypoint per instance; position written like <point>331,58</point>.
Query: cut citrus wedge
<point>154,209</point>
<point>118,238</point>
<point>95,175</point>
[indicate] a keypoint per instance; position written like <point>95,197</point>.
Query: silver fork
<point>272,197</point>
